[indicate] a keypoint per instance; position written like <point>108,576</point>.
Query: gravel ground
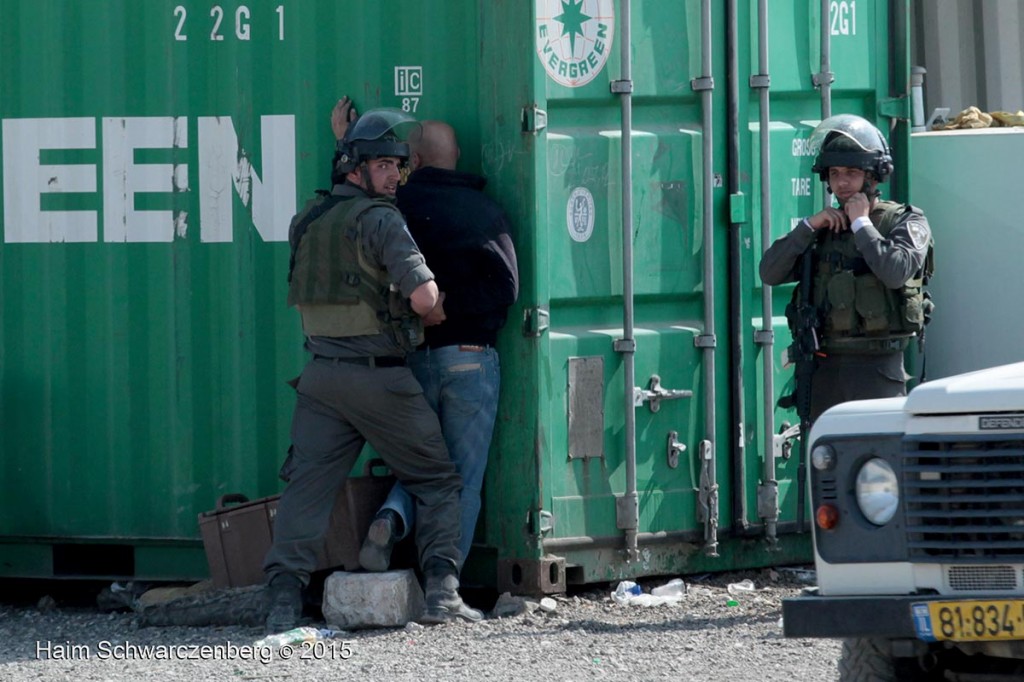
<point>587,636</point>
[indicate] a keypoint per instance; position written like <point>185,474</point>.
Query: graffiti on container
<point>573,38</point>
<point>496,154</point>
<point>142,200</point>
<point>560,157</point>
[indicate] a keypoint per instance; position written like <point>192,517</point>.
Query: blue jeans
<point>462,387</point>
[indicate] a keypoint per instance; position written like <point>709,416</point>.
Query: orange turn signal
<point>827,517</point>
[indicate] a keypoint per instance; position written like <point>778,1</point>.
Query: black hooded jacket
<point>466,239</point>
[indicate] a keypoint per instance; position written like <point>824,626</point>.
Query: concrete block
<point>363,600</point>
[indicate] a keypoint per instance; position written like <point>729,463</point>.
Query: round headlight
<point>823,457</point>
<point>878,491</point>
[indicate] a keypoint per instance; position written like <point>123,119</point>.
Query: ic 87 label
<point>220,23</point>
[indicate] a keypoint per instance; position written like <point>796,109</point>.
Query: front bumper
<point>881,616</point>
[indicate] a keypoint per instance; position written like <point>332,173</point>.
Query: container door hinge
<point>535,119</point>
<point>705,341</point>
<point>621,87</point>
<point>760,81</point>
<point>535,321</point>
<point>624,345</point>
<point>823,78</point>
<point>541,522</point>
<point>764,337</point>
<point>702,83</point>
<point>895,107</point>
<point>626,508</point>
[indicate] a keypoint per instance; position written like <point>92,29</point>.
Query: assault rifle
<point>803,323</point>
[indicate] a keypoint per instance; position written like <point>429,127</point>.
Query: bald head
<point>434,144</point>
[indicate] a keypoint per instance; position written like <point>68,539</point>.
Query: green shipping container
<point>154,152</point>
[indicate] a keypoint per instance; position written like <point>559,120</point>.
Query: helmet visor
<point>379,123</point>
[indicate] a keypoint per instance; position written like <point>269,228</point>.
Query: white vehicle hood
<point>999,389</point>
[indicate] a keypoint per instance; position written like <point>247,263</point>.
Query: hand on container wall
<point>342,115</point>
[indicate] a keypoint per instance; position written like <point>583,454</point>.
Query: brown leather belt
<point>472,349</point>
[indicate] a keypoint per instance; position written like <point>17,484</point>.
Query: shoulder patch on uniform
<point>919,233</point>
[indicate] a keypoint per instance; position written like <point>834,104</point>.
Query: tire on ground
<point>866,660</point>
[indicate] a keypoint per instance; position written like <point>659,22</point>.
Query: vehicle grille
<point>982,578</point>
<point>964,499</point>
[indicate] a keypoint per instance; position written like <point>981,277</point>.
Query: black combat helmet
<point>377,133</point>
<point>849,141</point>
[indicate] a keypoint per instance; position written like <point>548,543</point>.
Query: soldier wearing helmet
<point>870,260</point>
<point>364,292</point>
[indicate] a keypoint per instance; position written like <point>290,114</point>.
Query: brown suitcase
<point>238,532</point>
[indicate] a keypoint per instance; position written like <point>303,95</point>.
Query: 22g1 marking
<point>844,18</point>
<point>242,26</point>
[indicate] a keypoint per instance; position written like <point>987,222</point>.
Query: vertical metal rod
<point>628,352</point>
<point>826,63</point>
<point>707,102</point>
<point>736,296</point>
<point>770,513</point>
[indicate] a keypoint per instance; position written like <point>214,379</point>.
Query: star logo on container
<point>574,38</point>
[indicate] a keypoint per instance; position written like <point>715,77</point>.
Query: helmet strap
<point>871,194</point>
<point>371,190</point>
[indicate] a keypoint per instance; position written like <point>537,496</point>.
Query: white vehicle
<point>918,508</point>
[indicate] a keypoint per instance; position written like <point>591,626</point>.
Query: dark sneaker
<point>443,603</point>
<point>375,554</point>
<point>284,603</point>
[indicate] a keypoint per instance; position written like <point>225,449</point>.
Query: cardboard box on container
<point>238,532</point>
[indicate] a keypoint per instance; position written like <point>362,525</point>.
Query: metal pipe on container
<point>737,391</point>
<point>628,509</point>
<point>706,341</point>
<point>768,494</point>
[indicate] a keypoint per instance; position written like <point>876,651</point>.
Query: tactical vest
<point>858,311</point>
<point>339,293</point>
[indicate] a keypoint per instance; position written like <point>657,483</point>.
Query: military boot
<point>441,594</point>
<point>375,554</point>
<point>284,603</point>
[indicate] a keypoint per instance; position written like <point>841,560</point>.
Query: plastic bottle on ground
<point>673,588</point>
<point>742,587</point>
<point>294,636</point>
<point>626,591</point>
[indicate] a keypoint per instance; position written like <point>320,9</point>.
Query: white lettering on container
<point>844,18</point>
<point>26,179</point>
<point>243,28</point>
<point>123,178</point>
<point>225,169</point>
<point>800,147</point>
<point>223,163</point>
<point>801,187</point>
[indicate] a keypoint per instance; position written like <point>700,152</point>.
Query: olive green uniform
<point>356,389</point>
<point>867,293</point>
